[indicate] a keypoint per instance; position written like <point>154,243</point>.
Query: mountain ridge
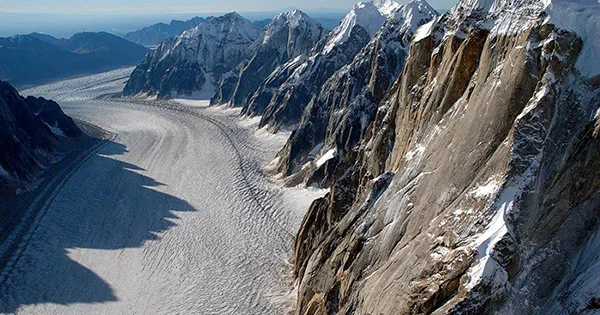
<point>28,59</point>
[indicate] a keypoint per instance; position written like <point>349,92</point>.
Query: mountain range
<point>34,58</point>
<point>459,150</point>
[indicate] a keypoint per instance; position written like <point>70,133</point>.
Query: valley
<point>173,215</point>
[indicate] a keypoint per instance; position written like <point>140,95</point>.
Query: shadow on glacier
<point>107,205</point>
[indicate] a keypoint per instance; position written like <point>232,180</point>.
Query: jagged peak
<point>386,7</point>
<point>294,17</point>
<point>232,21</point>
<point>364,14</point>
<point>413,15</point>
<point>372,15</point>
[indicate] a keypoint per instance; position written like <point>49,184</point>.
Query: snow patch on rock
<point>3,172</point>
<point>55,130</point>
<point>326,157</point>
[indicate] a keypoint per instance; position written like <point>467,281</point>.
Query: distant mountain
<point>39,57</point>
<point>196,60</point>
<point>329,23</point>
<point>47,38</point>
<point>262,23</point>
<point>32,131</point>
<point>155,34</point>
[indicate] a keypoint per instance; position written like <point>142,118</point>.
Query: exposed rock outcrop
<point>475,188</point>
<point>33,131</point>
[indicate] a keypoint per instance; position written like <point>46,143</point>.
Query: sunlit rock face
<point>474,189</point>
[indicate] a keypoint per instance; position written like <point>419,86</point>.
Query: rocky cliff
<point>286,37</point>
<point>195,61</point>
<point>33,131</point>
<point>474,189</point>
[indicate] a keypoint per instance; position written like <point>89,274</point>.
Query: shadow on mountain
<point>106,205</point>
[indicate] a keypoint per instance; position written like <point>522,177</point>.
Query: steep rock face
<point>347,103</point>
<point>32,131</point>
<point>282,98</point>
<point>287,36</point>
<point>475,189</point>
<point>195,61</point>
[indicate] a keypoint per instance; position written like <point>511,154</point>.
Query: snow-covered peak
<point>371,16</point>
<point>297,17</point>
<point>386,7</point>
<point>231,23</point>
<point>219,44</point>
<point>364,14</point>
<point>295,20</point>
<point>413,15</point>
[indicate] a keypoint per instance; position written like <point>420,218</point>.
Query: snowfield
<point>173,216</point>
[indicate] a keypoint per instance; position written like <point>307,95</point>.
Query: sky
<point>63,18</point>
<point>178,6</point>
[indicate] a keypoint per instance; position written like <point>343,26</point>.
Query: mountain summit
<point>196,60</point>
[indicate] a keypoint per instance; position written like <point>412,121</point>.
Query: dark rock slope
<point>197,60</point>
<point>35,58</point>
<point>475,189</point>
<point>286,37</point>
<point>33,131</point>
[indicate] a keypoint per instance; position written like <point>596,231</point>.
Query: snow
<point>326,157</point>
<point>486,267</point>
<point>387,7</point>
<point>487,240</point>
<point>372,15</point>
<point>364,14</point>
<point>583,18</point>
<point>3,172</point>
<point>487,190</point>
<point>423,31</point>
<point>175,215</point>
<point>55,130</point>
<point>508,17</point>
<point>415,153</point>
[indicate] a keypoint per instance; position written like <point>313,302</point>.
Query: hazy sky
<point>63,18</point>
<point>178,6</point>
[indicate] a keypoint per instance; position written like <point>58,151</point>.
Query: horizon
<point>40,19</point>
<point>134,7</point>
